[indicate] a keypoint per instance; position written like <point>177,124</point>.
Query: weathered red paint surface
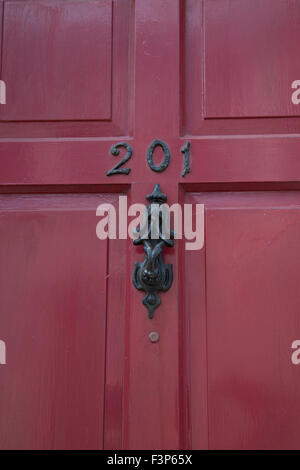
<point>81,372</point>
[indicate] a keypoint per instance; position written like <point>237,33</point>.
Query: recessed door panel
<point>250,309</point>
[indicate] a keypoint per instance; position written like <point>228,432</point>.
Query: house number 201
<point>115,150</point>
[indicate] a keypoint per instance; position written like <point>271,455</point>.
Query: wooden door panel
<point>250,310</point>
<point>73,38</point>
<point>250,58</point>
<point>240,62</point>
<point>54,322</point>
<point>72,68</point>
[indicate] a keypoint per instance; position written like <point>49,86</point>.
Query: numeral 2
<point>115,151</point>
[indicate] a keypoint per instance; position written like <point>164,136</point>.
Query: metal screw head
<point>154,337</point>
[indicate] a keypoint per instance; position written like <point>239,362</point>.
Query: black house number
<point>115,151</point>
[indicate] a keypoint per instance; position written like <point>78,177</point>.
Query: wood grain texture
<point>67,68</point>
<point>250,312</point>
<point>54,322</point>
<point>52,79</point>
<point>250,58</point>
<point>239,62</point>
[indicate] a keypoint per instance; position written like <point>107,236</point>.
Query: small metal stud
<point>154,337</point>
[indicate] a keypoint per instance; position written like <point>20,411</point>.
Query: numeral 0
<point>164,164</point>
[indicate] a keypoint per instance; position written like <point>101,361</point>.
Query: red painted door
<point>80,369</point>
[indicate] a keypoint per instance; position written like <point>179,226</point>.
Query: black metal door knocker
<point>152,275</point>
